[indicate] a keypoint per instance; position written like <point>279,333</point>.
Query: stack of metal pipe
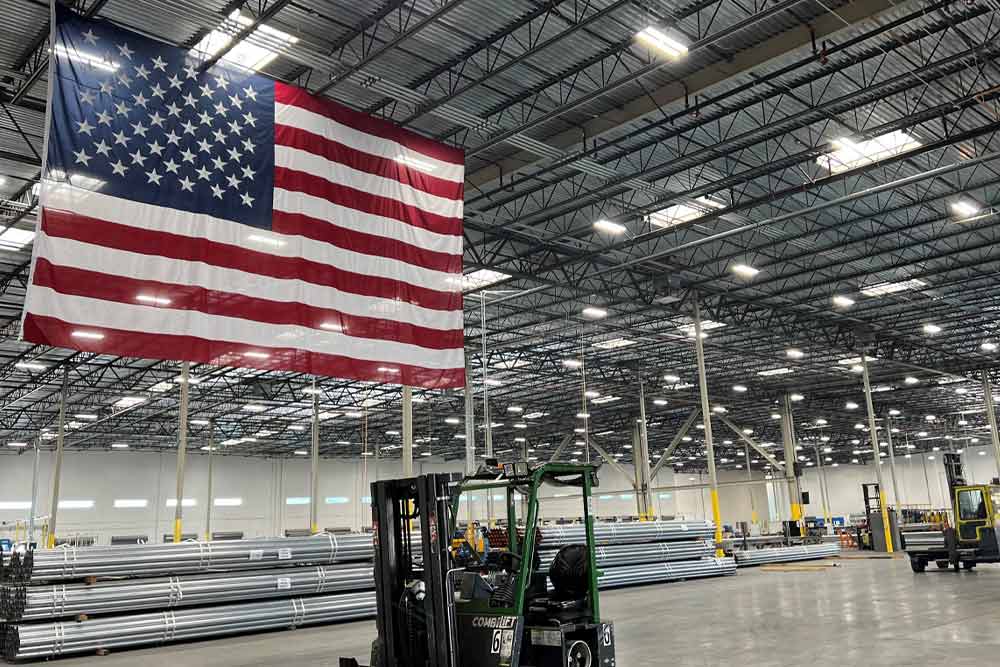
<point>647,552</point>
<point>44,640</point>
<point>637,554</point>
<point>752,557</point>
<point>151,560</point>
<point>924,540</point>
<point>628,533</point>
<point>26,603</point>
<point>282,582</point>
<point>632,575</point>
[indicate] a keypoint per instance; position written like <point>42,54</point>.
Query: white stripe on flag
<point>379,186</point>
<point>152,319</point>
<point>293,116</point>
<point>79,255</point>
<point>360,221</point>
<point>201,226</point>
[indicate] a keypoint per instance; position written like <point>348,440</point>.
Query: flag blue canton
<point>137,119</point>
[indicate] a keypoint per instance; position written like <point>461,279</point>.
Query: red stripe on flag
<point>293,137</point>
<point>317,229</point>
<point>121,342</point>
<point>95,285</point>
<point>342,195</point>
<point>136,239</point>
<point>377,127</point>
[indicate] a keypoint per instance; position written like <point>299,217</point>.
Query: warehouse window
<point>130,503</point>
<point>76,504</point>
<point>15,504</point>
<point>227,502</point>
<point>187,502</point>
<point>337,500</point>
<point>297,500</point>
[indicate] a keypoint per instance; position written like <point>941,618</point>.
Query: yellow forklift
<point>973,539</point>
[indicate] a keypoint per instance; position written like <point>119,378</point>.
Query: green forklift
<point>438,607</point>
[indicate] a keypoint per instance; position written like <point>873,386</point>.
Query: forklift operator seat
<point>569,573</point>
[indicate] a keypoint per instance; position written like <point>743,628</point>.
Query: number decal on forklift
<point>497,641</point>
<point>607,635</point>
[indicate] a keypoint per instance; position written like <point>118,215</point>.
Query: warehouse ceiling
<point>819,176</point>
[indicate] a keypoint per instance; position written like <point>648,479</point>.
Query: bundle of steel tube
<point>633,575</point>
<point>628,533</point>
<point>153,560</point>
<point>23,603</point>
<point>44,640</point>
<point>752,557</point>
<point>924,541</point>
<point>635,554</point>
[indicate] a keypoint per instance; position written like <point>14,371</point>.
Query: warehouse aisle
<point>874,612</point>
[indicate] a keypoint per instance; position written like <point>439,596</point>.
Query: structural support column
<point>643,462</point>
<point>487,419</point>
<point>788,440</point>
<point>583,406</point>
<point>821,475</point>
<point>210,501</point>
<point>991,418</point>
<point>182,439</point>
<point>896,500</point>
<point>314,464</point>
<point>407,432</point>
<point>470,429</point>
<point>873,432</point>
<point>57,472</point>
<point>927,480</point>
<point>706,412</point>
<point>640,497</point>
<point>33,511</point>
<point>753,508</point>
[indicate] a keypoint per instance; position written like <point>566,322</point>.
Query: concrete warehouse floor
<point>871,611</point>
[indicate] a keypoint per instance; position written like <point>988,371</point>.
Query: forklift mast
<point>411,572</point>
<point>953,471</point>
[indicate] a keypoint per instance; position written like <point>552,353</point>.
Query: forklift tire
<point>918,564</point>
<point>943,564</point>
<point>376,660</point>
<point>968,565</point>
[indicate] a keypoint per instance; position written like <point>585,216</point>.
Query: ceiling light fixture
<point>964,208</point>
<point>659,40</point>
<point>745,270</point>
<point>842,301</point>
<point>609,227</point>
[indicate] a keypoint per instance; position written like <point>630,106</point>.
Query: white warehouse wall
<point>264,485</point>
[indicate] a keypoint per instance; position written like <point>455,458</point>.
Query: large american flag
<point>221,217</point>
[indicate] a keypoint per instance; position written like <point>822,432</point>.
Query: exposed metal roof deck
<point>715,159</point>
